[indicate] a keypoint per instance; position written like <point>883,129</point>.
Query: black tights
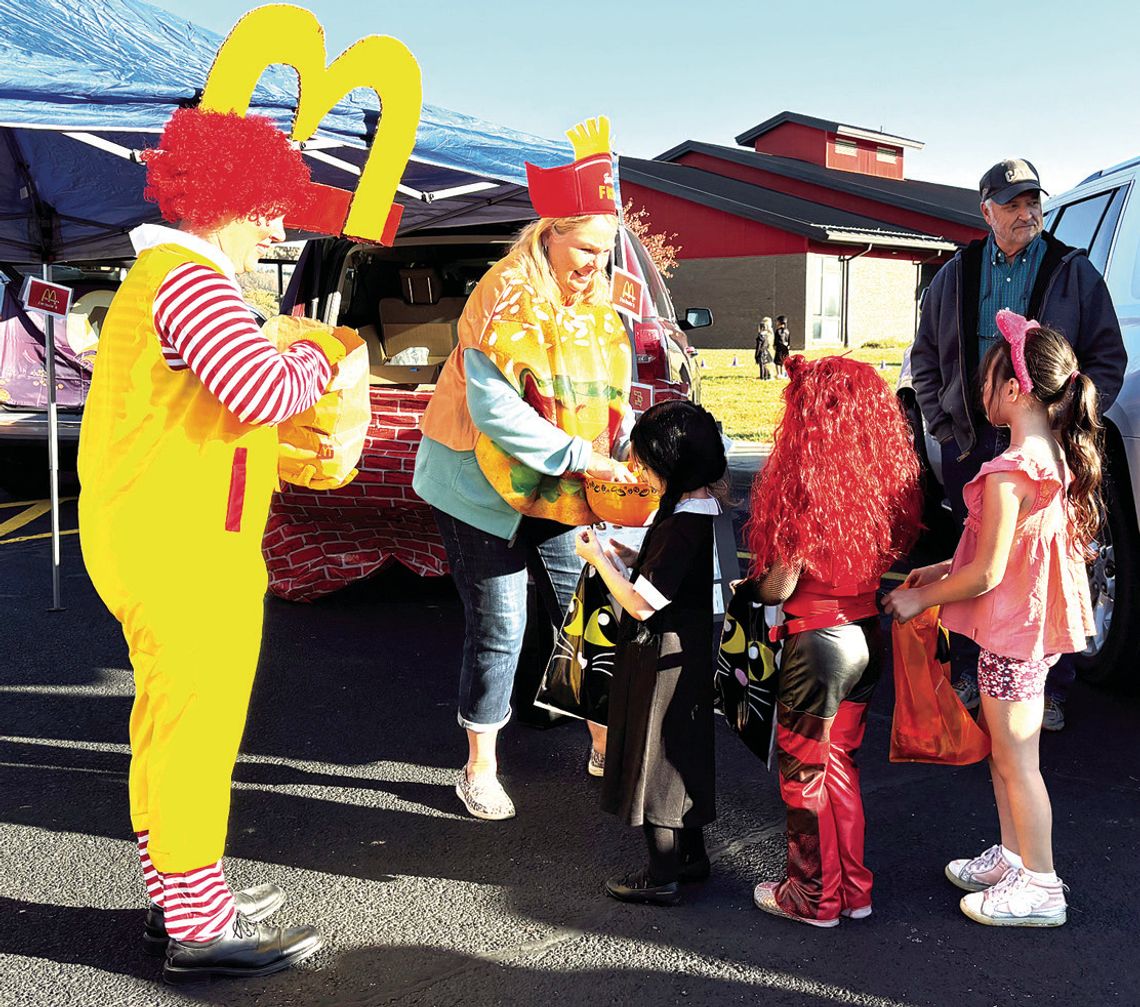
<point>672,849</point>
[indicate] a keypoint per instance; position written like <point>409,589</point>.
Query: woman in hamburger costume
<point>534,397</point>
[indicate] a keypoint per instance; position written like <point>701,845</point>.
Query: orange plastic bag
<point>930,723</point>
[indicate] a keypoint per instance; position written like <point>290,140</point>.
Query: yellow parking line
<point>26,516</point>
<point>29,503</point>
<point>32,538</point>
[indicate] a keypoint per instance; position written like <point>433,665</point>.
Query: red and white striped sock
<point>151,878</point>
<point>199,905</point>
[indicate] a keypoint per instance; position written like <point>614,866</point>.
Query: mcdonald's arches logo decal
<point>46,298</point>
<point>283,33</point>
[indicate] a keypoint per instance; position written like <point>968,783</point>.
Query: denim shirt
<point>1005,283</point>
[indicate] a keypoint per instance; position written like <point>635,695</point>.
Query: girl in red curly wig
<point>838,502</point>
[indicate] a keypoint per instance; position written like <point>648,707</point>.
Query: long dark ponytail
<point>1071,400</point>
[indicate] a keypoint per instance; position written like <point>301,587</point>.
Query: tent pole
<point>53,453</point>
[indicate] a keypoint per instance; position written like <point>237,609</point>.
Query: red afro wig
<point>840,493</point>
<point>214,167</point>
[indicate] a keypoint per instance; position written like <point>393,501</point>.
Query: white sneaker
<point>980,873</point>
<point>1018,900</point>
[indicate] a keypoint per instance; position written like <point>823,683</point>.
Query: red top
<point>819,604</point>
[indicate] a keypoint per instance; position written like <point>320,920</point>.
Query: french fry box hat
<point>586,185</point>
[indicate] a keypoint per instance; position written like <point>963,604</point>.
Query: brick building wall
<point>881,299</point>
<point>740,290</point>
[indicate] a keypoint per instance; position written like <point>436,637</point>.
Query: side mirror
<point>697,318</point>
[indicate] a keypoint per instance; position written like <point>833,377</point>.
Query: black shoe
<point>255,904</point>
<point>253,949</point>
<point>640,887</point>
<point>695,870</point>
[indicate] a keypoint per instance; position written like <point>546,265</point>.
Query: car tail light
<point>649,347</point>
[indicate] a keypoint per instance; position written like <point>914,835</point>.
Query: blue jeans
<point>956,472</point>
<point>490,575</point>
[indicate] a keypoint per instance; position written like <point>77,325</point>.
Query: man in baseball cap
<point>1008,179</point>
<point>1022,267</point>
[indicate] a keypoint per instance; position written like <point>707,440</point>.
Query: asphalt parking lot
<point>344,796</point>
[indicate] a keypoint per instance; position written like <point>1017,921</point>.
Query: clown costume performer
<point>837,503</point>
<point>178,460</point>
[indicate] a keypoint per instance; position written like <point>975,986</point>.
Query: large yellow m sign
<point>282,33</point>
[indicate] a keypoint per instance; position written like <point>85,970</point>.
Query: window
<point>1102,242</point>
<point>653,280</point>
<point>886,155</point>
<point>825,283</point>
<point>846,147</point>
<point>1077,223</point>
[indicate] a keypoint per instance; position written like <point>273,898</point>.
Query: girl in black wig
<point>659,756</point>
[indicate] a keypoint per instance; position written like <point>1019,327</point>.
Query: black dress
<point>659,751</point>
<point>783,345</point>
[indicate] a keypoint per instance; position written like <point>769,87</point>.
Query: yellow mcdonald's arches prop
<point>283,33</point>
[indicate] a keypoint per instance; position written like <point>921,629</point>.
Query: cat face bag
<point>746,670</point>
<point>577,678</point>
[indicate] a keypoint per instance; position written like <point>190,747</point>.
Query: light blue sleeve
<point>500,412</point>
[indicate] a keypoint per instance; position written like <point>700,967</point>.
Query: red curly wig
<point>840,492</point>
<point>214,167</point>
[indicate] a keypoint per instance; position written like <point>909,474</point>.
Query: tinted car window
<point>1077,223</point>
<point>1102,243</point>
<point>656,287</point>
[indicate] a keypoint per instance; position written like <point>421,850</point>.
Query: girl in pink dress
<point>1017,585</point>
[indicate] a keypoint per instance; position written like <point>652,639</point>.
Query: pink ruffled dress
<point>1042,606</point>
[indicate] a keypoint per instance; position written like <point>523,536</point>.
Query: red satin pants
<point>827,677</point>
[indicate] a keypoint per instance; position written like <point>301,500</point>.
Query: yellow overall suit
<point>175,495</point>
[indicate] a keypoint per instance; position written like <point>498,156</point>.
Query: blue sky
<point>1054,82</point>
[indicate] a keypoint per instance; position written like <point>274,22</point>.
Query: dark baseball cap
<point>1009,178</point>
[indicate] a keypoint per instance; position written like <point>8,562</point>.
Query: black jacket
<point>1068,295</point>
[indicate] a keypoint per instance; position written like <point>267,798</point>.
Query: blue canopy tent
<point>84,84</point>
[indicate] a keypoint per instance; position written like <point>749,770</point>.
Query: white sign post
<point>52,301</point>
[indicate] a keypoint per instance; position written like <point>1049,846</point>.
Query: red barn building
<point>806,218</point>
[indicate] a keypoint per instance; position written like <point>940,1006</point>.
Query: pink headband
<point>1015,328</point>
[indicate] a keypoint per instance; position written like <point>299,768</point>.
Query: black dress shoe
<point>253,949</point>
<point>640,887</point>
<point>255,904</point>
<point>695,870</point>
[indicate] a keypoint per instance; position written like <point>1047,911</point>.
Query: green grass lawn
<point>748,408</point>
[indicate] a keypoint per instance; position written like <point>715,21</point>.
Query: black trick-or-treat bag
<point>746,671</point>
<point>577,677</point>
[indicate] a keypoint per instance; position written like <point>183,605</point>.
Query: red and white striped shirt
<point>204,324</point>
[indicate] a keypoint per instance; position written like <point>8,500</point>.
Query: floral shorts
<point>1010,679</point>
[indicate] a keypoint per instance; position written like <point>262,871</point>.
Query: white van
<point>1102,215</point>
